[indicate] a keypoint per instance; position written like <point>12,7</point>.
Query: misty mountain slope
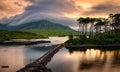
<point>43,27</point>
<point>46,28</point>
<point>40,25</point>
<point>3,27</point>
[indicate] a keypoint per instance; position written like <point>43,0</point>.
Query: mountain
<point>3,26</point>
<point>44,27</point>
<point>42,24</point>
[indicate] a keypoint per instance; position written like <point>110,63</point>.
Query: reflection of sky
<point>17,57</point>
<point>58,40</point>
<point>12,57</point>
<point>89,61</point>
<point>54,40</point>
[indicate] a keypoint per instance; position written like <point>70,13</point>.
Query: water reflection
<point>88,60</point>
<point>13,58</point>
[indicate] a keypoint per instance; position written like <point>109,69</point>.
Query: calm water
<point>65,60</point>
<point>16,57</point>
<point>85,61</point>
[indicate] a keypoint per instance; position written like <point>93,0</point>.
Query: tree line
<point>90,26</point>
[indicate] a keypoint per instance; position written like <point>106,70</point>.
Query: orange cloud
<point>94,8</point>
<point>10,8</point>
<point>81,7</point>
<point>67,10</point>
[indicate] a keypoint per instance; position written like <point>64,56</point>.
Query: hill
<point>42,24</point>
<point>44,27</point>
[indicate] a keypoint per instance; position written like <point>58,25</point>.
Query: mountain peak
<point>39,25</point>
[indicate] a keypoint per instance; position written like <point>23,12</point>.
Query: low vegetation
<point>4,34</point>
<point>52,32</point>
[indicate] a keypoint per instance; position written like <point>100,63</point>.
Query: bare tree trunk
<point>91,29</point>
<point>85,29</point>
<point>100,29</point>
<point>79,30</point>
<point>97,30</point>
<point>105,28</point>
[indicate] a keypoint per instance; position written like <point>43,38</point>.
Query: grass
<point>18,35</point>
<point>33,34</point>
<point>51,32</point>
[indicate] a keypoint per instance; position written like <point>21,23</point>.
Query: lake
<point>14,57</point>
<point>91,60</point>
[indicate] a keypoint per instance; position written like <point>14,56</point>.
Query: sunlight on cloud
<point>10,8</point>
<point>81,6</point>
<point>84,5</point>
<point>93,8</point>
<point>63,11</point>
<point>73,15</point>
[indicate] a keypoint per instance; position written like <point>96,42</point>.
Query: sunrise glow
<point>66,12</point>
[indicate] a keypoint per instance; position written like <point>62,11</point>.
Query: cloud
<point>61,11</point>
<point>53,6</point>
<point>54,10</point>
<point>103,9</point>
<point>31,16</point>
<point>10,8</point>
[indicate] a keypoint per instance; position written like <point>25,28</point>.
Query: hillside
<point>43,27</point>
<point>4,34</point>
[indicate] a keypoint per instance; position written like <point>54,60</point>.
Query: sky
<point>65,12</point>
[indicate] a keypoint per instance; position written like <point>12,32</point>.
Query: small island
<point>96,32</point>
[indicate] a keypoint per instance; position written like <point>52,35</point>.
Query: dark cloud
<point>31,16</point>
<point>103,9</point>
<point>53,6</point>
<point>34,1</point>
<point>1,7</point>
<point>47,9</point>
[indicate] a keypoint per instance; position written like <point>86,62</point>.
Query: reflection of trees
<point>96,62</point>
<point>101,58</point>
<point>91,64</point>
<point>116,58</point>
<point>86,65</point>
<point>71,50</point>
<point>83,49</point>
